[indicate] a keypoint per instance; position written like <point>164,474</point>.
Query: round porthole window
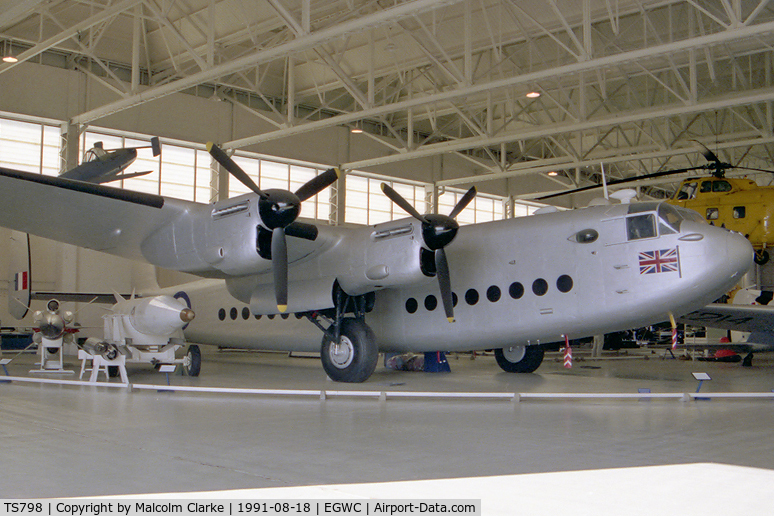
<point>493,293</point>
<point>540,287</point>
<point>564,283</point>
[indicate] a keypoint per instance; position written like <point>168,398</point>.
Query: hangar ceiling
<point>633,84</point>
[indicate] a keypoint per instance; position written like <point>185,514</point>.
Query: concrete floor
<point>62,441</point>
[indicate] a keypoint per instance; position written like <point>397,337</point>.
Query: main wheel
<point>761,257</point>
<point>354,359</point>
<point>193,360</point>
<point>519,359</point>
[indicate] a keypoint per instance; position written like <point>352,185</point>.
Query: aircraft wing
<point>88,215</point>
<point>747,318</point>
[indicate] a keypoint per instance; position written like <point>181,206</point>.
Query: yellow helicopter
<point>738,204</point>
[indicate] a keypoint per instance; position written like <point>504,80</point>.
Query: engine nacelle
<point>392,258</point>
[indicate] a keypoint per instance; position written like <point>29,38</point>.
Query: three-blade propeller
<point>278,210</point>
<point>437,232</point>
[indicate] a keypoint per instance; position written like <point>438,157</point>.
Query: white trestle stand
<point>100,363</point>
<point>51,361</point>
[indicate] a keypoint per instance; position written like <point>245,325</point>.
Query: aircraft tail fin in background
<point>19,277</point>
<point>155,146</point>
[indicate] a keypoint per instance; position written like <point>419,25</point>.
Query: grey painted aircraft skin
<point>607,290</point>
<point>613,276</point>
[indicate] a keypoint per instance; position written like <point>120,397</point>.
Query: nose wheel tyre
<point>354,358</point>
<point>519,359</point>
<point>193,360</point>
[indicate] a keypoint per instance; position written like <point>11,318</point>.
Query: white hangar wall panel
<point>179,116</point>
<point>42,91</point>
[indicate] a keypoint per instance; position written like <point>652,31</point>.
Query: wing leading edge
<point>94,216</point>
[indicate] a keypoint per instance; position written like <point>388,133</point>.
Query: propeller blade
<point>234,169</point>
<point>318,184</point>
<point>301,230</point>
<point>444,282</point>
<point>279,265</point>
<point>469,195</point>
<point>403,203</point>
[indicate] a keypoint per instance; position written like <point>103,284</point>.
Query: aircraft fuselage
<point>517,282</point>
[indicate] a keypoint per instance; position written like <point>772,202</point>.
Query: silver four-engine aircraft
<point>417,284</point>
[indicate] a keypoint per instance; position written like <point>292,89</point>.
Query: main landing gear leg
<point>349,352</point>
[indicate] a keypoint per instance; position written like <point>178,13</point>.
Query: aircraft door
<point>617,264</point>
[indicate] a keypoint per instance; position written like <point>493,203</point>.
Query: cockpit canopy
<point>651,219</point>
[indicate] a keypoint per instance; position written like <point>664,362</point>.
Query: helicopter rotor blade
<point>623,181</point>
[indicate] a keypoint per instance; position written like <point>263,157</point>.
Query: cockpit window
<point>641,226</point>
<point>706,187</point>
<point>687,191</point>
<point>669,219</point>
<point>688,214</point>
<point>721,186</point>
<point>641,207</point>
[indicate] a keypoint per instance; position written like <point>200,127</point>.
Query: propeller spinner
<point>278,210</point>
<point>438,231</point>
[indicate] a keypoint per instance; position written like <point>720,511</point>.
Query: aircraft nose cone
<point>739,254</point>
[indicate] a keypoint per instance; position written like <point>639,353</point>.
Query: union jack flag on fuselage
<point>663,260</point>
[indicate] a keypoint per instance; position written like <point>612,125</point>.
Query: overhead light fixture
<point>357,128</point>
<point>7,54</point>
<point>553,173</point>
<point>533,94</point>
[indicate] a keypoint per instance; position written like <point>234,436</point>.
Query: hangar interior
<point>521,99</point>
